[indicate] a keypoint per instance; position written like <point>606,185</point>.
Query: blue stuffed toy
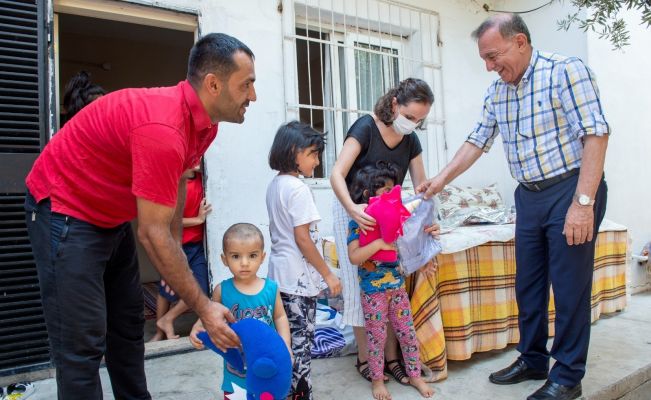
<point>268,363</point>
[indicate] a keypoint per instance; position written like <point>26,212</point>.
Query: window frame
<point>414,59</point>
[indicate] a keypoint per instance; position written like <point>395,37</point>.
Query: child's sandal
<point>395,369</point>
<point>364,370</point>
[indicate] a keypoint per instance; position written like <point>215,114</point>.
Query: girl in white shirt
<point>295,261</point>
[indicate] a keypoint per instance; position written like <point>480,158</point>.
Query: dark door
<point>23,133</point>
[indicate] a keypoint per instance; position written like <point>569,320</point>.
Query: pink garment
<point>390,215</point>
<point>380,308</point>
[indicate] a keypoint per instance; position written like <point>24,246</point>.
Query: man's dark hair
<point>509,25</point>
<point>371,178</point>
<point>292,138</point>
<point>213,53</point>
<point>242,231</point>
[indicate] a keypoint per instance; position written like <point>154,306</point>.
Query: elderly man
<point>547,109</point>
<point>122,157</point>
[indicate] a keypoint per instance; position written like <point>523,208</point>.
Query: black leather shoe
<point>516,373</point>
<point>554,391</point>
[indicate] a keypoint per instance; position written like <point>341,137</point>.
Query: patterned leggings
<point>301,314</point>
<point>380,308</point>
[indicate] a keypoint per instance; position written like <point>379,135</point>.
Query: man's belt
<point>544,184</point>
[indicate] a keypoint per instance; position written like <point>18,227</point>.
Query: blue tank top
<point>259,306</point>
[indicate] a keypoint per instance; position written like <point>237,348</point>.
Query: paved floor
<point>619,363</point>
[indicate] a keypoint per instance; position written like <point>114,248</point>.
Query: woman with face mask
<point>387,135</point>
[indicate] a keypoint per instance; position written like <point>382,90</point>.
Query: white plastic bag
<point>331,337</point>
<point>416,247</point>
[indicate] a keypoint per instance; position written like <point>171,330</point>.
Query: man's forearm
<point>177,221</point>
<point>464,158</point>
<point>592,164</point>
<point>168,257</point>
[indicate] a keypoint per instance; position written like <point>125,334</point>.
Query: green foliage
<point>603,18</point>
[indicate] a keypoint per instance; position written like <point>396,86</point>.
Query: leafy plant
<point>603,18</point>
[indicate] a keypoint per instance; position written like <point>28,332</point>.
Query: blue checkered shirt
<point>543,119</point>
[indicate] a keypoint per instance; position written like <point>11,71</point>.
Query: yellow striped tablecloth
<point>469,304</point>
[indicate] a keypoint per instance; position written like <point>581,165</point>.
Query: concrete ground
<point>619,367</point>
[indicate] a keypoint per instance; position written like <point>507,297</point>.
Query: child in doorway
<point>79,92</point>
<point>245,294</point>
<point>296,262</point>
<point>194,216</point>
<point>384,298</point>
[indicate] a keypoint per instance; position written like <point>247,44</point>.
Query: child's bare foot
<point>422,386</point>
<point>158,336</point>
<point>380,391</point>
<point>167,326</point>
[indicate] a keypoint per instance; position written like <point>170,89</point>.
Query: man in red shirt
<point>122,157</point>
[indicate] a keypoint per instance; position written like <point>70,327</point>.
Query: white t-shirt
<point>290,204</point>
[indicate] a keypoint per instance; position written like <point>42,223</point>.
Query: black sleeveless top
<point>374,149</point>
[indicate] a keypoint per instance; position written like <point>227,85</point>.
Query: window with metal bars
<point>341,57</point>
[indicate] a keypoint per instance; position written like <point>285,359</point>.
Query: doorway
<point>118,55</point>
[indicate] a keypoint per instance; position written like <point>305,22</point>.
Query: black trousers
<point>543,257</point>
<point>92,300</point>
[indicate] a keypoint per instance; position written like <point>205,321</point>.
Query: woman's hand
<point>434,230</point>
<point>365,221</point>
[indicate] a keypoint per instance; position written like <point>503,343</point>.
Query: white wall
<point>466,78</point>
<point>237,167</point>
<point>624,79</point>
<point>236,163</point>
<point>465,81</point>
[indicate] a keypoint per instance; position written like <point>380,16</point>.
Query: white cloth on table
<point>465,237</point>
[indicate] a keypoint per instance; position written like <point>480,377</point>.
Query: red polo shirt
<point>130,143</point>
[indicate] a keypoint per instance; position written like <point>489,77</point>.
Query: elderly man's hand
<point>431,186</point>
<point>215,318</point>
<point>579,224</point>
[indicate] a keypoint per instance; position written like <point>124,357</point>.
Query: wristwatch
<point>583,199</point>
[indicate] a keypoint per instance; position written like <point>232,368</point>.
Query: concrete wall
<point>624,80</point>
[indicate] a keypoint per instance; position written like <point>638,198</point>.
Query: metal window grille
<point>341,56</point>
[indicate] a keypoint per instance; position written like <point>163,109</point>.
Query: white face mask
<point>403,126</point>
